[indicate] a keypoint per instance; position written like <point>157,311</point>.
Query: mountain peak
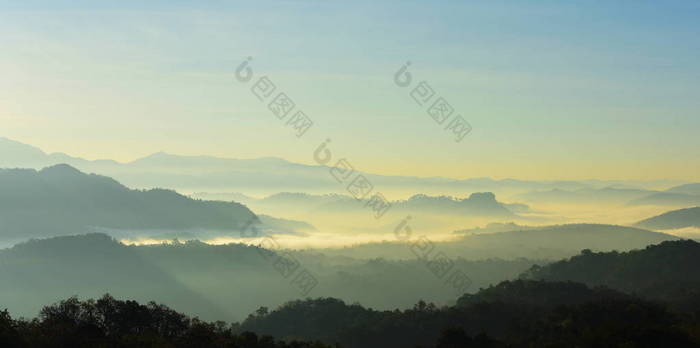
<point>14,152</point>
<point>61,169</point>
<point>483,196</point>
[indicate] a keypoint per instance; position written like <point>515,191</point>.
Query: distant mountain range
<point>548,242</point>
<point>674,219</point>
<point>683,195</point>
<point>482,204</point>
<point>668,199</point>
<point>585,196</point>
<point>688,189</point>
<point>61,200</point>
<point>267,175</point>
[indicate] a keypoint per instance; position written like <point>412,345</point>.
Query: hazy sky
<point>552,89</point>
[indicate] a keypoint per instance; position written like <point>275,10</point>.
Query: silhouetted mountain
<point>667,271</point>
<point>689,189</point>
<point>605,195</point>
<point>477,204</point>
<point>519,313</point>
<point>41,271</point>
<point>548,242</point>
<point>15,154</point>
<point>668,199</point>
<point>234,279</point>
<point>285,226</point>
<point>62,200</point>
<point>681,218</point>
<point>261,175</point>
<point>498,317</point>
<point>511,314</point>
<point>539,294</point>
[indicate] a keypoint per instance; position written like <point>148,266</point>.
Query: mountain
<point>681,218</point>
<point>564,240</point>
<point>42,271</point>
<point>681,196</point>
<point>688,189</point>
<point>667,271</point>
<point>511,314</point>
<point>16,154</point>
<point>220,282</point>
<point>62,200</point>
<point>264,176</point>
<point>667,199</point>
<point>545,242</point>
<point>477,204</point>
<point>285,226</point>
<point>538,294</point>
<point>606,195</point>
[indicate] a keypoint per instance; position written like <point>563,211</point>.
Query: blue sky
<point>552,89</point>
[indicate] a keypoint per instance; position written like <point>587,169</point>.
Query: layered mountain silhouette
<point>521,313</point>
<point>62,200</point>
<point>477,204</point>
<point>667,199</point>
<point>586,196</point>
<point>681,218</point>
<point>688,189</point>
<point>680,196</point>
<point>263,175</point>
<point>546,242</point>
<point>667,271</point>
<point>217,282</point>
<point>41,271</point>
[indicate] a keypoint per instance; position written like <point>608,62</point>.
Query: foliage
<point>109,322</point>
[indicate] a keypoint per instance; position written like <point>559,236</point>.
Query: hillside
<point>667,271</point>
<point>667,199</point>
<point>505,315</point>
<point>606,195</point>
<point>62,200</point>
<point>546,242</point>
<point>183,275</point>
<point>681,218</point>
<point>689,189</point>
<point>572,237</point>
<point>42,271</point>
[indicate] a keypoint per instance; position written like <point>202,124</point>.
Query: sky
<point>551,89</point>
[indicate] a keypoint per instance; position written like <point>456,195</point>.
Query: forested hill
<point>62,200</point>
<point>667,271</point>
<point>500,316</point>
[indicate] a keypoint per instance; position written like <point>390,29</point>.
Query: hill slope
<point>548,242</point>
<point>61,200</point>
<point>41,271</point>
<point>681,218</point>
<point>689,189</point>
<point>667,271</point>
